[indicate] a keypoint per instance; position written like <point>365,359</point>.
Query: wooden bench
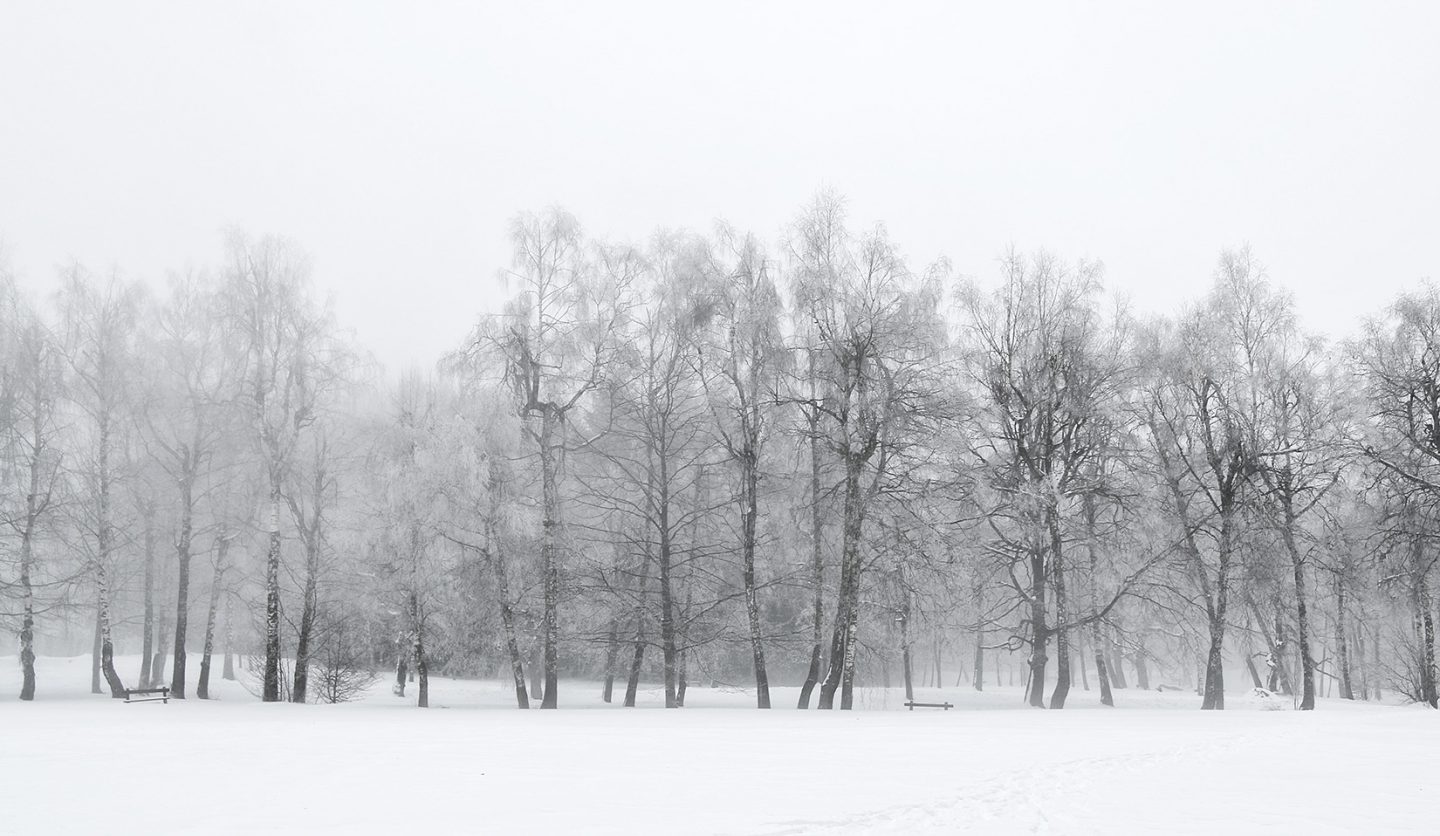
<point>945,705</point>
<point>148,694</point>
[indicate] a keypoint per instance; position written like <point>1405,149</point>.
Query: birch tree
<point>186,422</point>
<point>99,319</point>
<point>877,330</point>
<point>31,377</point>
<point>274,320</point>
<point>745,361</point>
<point>1202,405</point>
<point>553,345</point>
<point>1398,358</point>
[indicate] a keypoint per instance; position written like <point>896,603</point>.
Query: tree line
<point>717,458</point>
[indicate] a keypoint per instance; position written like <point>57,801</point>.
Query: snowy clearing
<point>469,765</point>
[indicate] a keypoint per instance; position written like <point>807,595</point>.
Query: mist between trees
<point>728,461</point>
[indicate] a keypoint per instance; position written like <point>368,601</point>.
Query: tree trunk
<point>1214,689</point>
<point>27,592</point>
<point>182,592</point>
<point>667,593</point>
<point>1062,615</point>
<point>637,659</point>
<point>37,500</point>
<point>402,669</point>
<point>1375,664</point>
<point>842,643</point>
<point>1250,666</point>
<point>817,564</point>
<point>1039,631</point>
<point>1214,698</point>
<point>162,645</point>
<point>202,688</point>
<point>1278,678</point>
<point>632,682</point>
<point>228,671</point>
<point>1115,666</point>
<point>905,636</point>
<point>107,649</point>
<point>537,670</point>
<point>1425,625</point>
<point>612,650</point>
<point>1142,671</point>
<point>512,645</point>
<point>1342,646</point>
<point>147,636</point>
<point>104,545</point>
<point>1097,643</point>
<point>500,562</point>
<point>308,612</point>
<point>681,676</point>
<point>270,689</point>
<point>749,513</point>
<point>95,655</point>
<point>979,671</point>
<point>1362,665</point>
<point>422,670</point>
<point>1302,618</point>
<point>550,556</point>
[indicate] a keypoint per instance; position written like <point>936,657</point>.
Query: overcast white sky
<point>393,141</point>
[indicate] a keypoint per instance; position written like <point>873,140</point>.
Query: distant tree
<point>1399,359</point>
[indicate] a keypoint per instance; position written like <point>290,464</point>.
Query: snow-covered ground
<point>72,762</point>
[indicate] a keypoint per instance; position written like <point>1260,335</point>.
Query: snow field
<point>469,765</point>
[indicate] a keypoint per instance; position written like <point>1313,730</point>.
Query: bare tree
<point>31,376</point>
<point>555,340</point>
<point>185,421</point>
<point>1399,358</point>
<point>658,445</point>
<point>100,320</point>
<point>1049,379</point>
<point>272,317</point>
<point>1202,405</point>
<point>747,358</point>
<point>878,332</point>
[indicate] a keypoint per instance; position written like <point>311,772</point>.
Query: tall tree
<point>1399,359</point>
<point>1050,381</point>
<point>746,360</point>
<point>31,377</point>
<point>275,322</point>
<point>185,422</point>
<point>879,334</point>
<point>100,320</point>
<point>1202,404</point>
<point>554,342</point>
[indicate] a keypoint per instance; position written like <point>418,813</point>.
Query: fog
<point>394,141</point>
